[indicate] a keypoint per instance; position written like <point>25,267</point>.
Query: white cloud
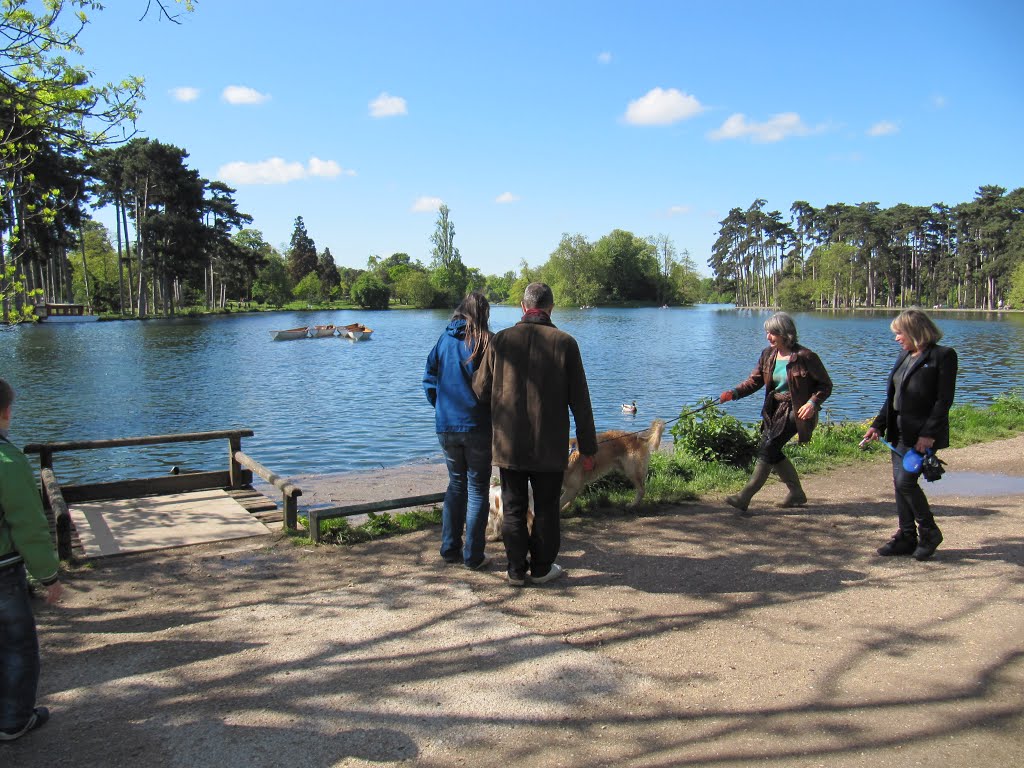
<point>387,105</point>
<point>328,168</point>
<point>427,204</point>
<point>883,128</point>
<point>679,210</point>
<point>506,197</point>
<point>276,170</point>
<point>776,128</point>
<point>604,57</point>
<point>185,93</point>
<point>938,101</point>
<point>241,94</point>
<point>662,107</point>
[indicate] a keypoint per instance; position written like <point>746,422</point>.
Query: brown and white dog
<point>496,515</point>
<point>627,452</point>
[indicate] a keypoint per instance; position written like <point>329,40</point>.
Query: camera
<point>932,467</point>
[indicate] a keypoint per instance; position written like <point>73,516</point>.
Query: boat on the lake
<point>291,333</point>
<point>320,331</point>
<point>63,313</point>
<point>355,331</point>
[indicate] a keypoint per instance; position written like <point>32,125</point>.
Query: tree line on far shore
<point>970,255</point>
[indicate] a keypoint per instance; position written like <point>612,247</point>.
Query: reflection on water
<point>330,405</point>
<point>975,484</point>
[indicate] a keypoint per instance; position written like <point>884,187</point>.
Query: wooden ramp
<point>160,522</point>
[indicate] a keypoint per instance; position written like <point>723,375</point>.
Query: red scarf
<point>542,313</point>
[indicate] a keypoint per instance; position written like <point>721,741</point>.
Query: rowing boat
<point>291,333</point>
<point>355,331</point>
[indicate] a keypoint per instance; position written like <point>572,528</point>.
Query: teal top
<point>24,529</point>
<point>779,374</point>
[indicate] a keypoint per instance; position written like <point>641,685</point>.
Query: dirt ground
<point>689,637</point>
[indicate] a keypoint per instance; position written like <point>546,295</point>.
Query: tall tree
<point>449,273</point>
<point>48,105</point>
<point>302,257</point>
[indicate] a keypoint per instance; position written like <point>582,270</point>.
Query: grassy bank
<point>691,467</point>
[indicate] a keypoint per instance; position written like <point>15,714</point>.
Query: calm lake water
<point>331,405</point>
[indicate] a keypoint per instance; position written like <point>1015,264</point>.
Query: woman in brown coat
<point>796,384</point>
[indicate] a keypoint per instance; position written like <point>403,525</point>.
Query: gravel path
<point>688,637</point>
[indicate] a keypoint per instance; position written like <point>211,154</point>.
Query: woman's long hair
<point>476,311</point>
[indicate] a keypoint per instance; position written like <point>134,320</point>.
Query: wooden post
<point>234,468</point>
<point>314,526</point>
<point>291,511</point>
<point>53,498</point>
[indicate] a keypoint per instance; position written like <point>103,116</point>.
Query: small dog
<point>627,452</point>
<point>496,514</point>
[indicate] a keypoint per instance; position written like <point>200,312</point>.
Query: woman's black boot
<point>903,543</point>
<point>928,541</point>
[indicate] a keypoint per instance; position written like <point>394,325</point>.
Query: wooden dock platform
<point>110,518</point>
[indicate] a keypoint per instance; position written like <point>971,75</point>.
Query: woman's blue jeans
<point>19,650</point>
<point>468,456</point>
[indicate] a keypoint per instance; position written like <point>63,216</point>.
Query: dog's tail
<point>654,434</point>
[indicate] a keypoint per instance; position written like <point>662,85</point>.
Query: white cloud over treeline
<point>426,204</point>
<point>387,105</point>
<point>776,128</point>
<point>276,170</point>
<point>242,94</point>
<point>185,93</point>
<point>661,106</point>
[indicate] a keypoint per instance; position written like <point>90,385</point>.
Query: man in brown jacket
<point>532,376</point>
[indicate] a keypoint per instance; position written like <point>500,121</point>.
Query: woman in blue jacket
<point>463,428</point>
<point>915,414</point>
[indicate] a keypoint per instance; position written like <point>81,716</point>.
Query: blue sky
<point>533,119</point>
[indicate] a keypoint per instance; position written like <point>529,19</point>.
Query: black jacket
<point>927,395</point>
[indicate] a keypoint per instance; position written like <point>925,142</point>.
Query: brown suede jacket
<point>807,378</point>
<point>531,376</point>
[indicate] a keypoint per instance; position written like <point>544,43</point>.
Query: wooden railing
<point>238,474</point>
<point>316,516</point>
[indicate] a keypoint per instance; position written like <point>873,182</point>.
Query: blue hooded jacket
<point>448,383</point>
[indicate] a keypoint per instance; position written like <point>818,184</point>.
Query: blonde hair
<point>917,327</point>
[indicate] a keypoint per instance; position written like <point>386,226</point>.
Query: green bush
<point>713,435</point>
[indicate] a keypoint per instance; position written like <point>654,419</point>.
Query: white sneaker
<point>555,572</point>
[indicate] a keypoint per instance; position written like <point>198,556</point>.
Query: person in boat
<point>463,427</point>
<point>795,385</point>
<point>915,414</point>
<point>532,376</point>
<point>25,543</point>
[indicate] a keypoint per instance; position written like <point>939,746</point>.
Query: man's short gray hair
<point>538,296</point>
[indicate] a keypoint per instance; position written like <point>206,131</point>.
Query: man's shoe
<point>900,544</point>
<point>484,562</point>
<point>38,719</point>
<point>516,581</point>
<point>551,575</point>
<point>928,541</point>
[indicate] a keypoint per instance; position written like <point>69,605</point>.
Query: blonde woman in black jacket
<point>915,415</point>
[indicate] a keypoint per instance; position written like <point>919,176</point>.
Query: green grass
<point>678,476</point>
<point>377,526</point>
